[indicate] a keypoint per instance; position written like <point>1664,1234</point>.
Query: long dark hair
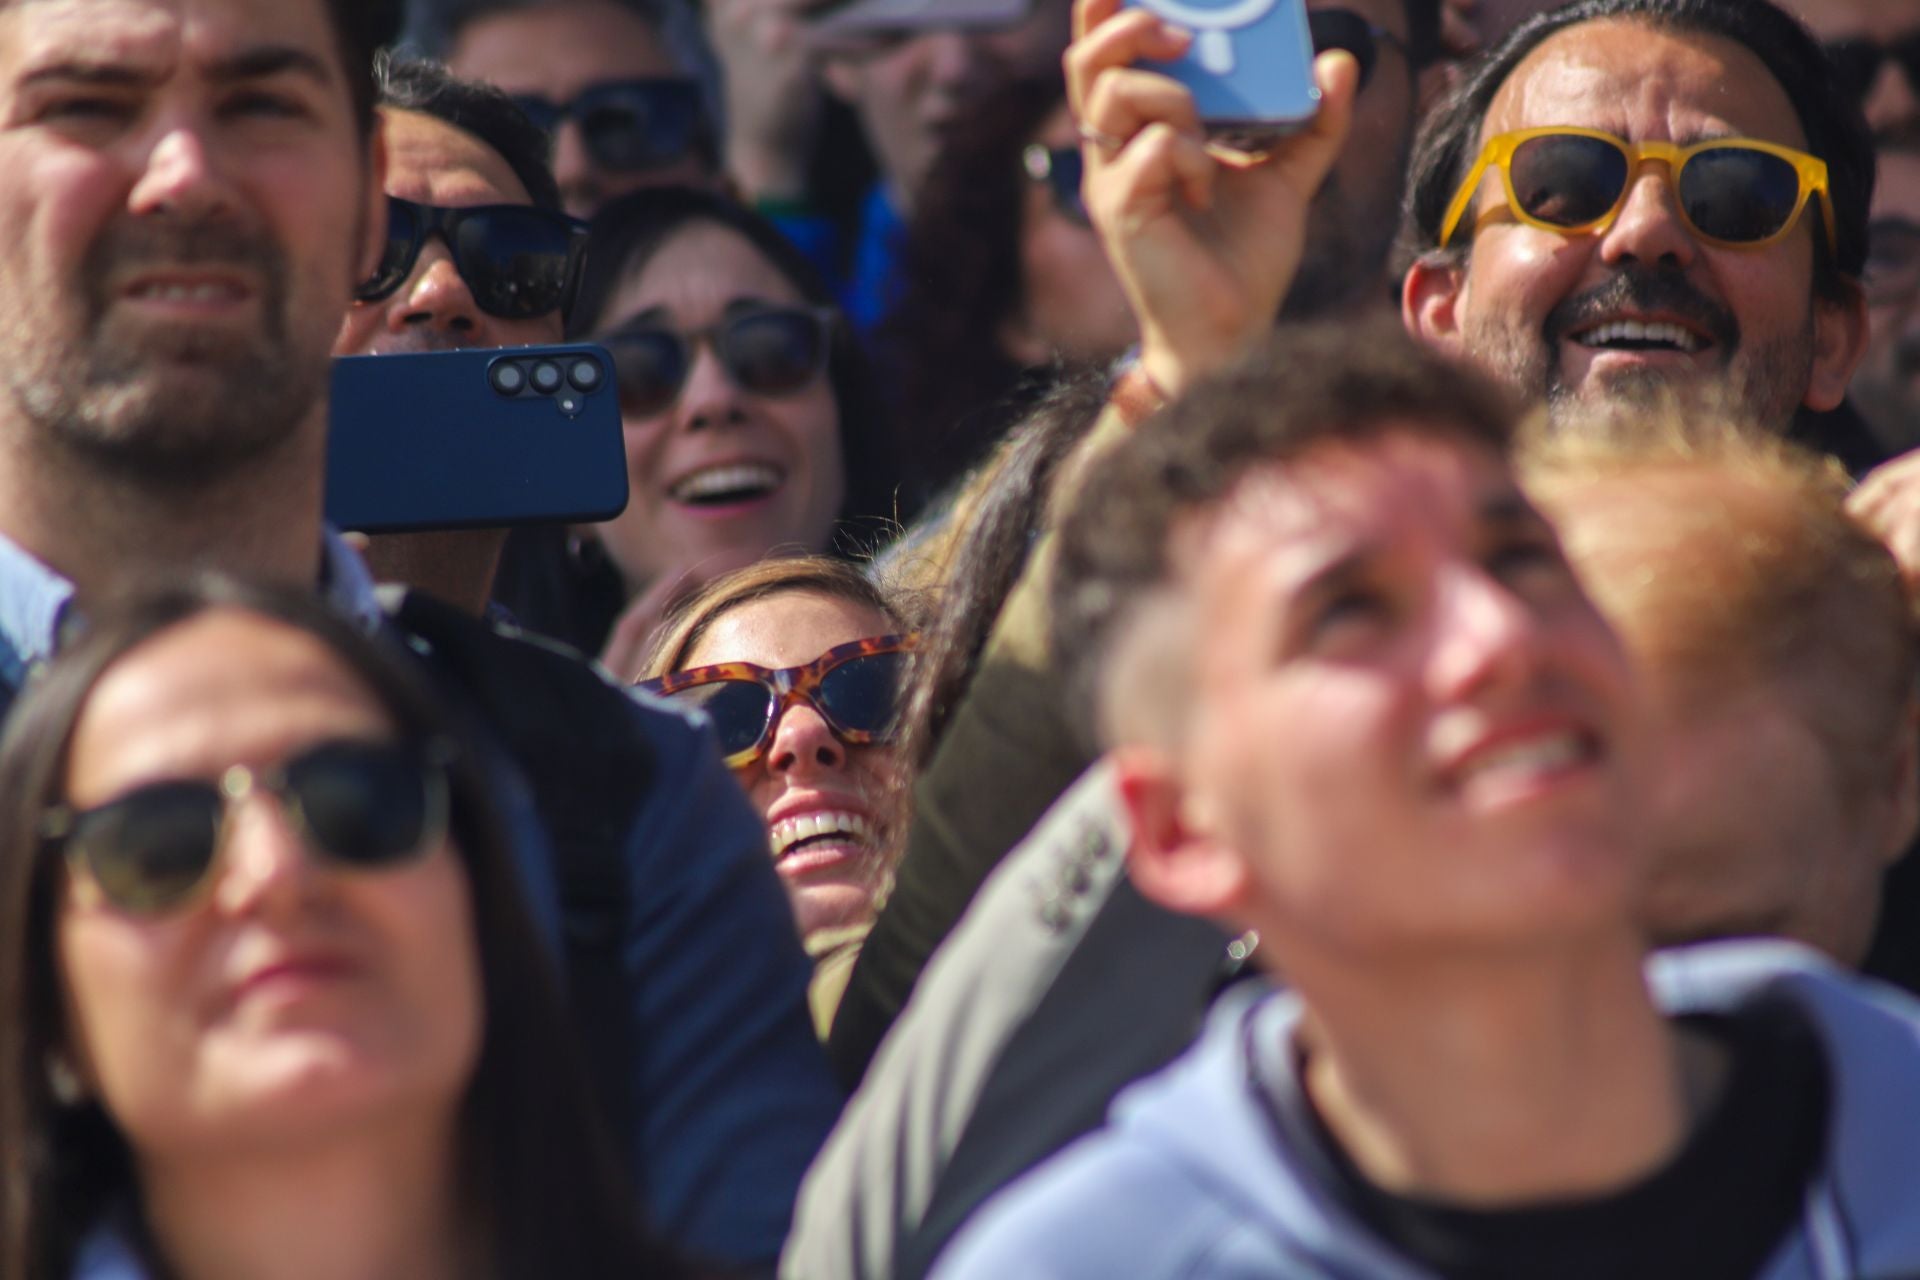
<point>627,233</point>
<point>539,1192</point>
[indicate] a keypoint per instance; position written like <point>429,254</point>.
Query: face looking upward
<point>1407,727</point>
<point>187,212</point>
<point>291,998</point>
<point>553,51</point>
<point>722,468</point>
<point>1540,308</point>
<point>807,773</point>
<point>431,162</point>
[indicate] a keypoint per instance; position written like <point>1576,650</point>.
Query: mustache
<point>1650,290</point>
<point>133,244</point>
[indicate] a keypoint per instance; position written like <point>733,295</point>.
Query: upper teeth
<point>728,479</point>
<point>1539,755</point>
<point>186,292</point>
<point>1634,331</point>
<point>791,831</point>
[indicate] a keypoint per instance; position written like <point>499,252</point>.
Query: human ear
<point>1840,333</point>
<point>1430,303</point>
<point>1170,859</point>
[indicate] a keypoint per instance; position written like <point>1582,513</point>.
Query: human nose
<point>181,176</point>
<point>264,864</point>
<point>709,398</point>
<point>954,60</point>
<point>436,298</point>
<point>1893,101</point>
<point>1488,639</point>
<point>1649,228</point>
<point>574,170</point>
<point>804,745</point>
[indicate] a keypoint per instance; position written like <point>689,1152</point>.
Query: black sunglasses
<point>1859,59</point>
<point>629,125</point>
<point>358,804</point>
<point>855,688</point>
<point>1061,168</point>
<point>1345,29</point>
<point>518,261</point>
<point>768,351</point>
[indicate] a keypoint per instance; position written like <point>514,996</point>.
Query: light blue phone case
<point>1250,65</point>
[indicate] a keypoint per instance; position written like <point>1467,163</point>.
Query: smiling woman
<point>750,428</point>
<point>798,663</point>
<point>269,991</point>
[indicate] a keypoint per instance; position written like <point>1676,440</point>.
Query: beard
<point>171,405</point>
<point>1763,383</point>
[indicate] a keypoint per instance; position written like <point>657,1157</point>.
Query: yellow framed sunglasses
<point>1737,192</point>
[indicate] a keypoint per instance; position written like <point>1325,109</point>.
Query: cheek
<point>430,917</point>
<point>812,421</point>
<point>131,1007</point>
<point>1517,275</point>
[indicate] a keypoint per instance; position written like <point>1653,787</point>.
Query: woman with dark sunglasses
<point>269,1001</point>
<point>798,663</point>
<point>1005,282</point>
<point>750,428</point>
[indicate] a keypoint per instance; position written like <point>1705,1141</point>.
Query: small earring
<point>63,1081</point>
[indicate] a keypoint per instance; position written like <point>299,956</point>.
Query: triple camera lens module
<point>566,379</point>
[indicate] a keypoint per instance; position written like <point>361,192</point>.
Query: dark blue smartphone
<point>471,439</point>
<point>1250,66</point>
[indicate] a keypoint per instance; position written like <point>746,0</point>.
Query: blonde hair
<point>816,575</point>
<point>1770,578</point>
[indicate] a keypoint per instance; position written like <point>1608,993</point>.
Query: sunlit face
<point>1888,388</point>
<point>807,774</point>
<point>553,51</point>
<point>1071,304</point>
<point>1539,308</point>
<point>778,455</point>
<point>909,92</point>
<point>1408,723</point>
<point>431,162</point>
<point>180,240</point>
<point>1753,828</point>
<point>292,999</point>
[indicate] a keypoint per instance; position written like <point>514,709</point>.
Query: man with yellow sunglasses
<point>1632,196</point>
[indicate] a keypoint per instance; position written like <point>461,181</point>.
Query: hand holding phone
<point>1205,243</point>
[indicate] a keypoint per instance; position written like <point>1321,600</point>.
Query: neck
<point>1504,1081</point>
<point>108,531</point>
<point>377,1202</point>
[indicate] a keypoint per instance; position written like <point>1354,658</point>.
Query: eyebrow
<point>249,64</point>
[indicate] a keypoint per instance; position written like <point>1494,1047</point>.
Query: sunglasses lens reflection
<point>1567,180</point>
<point>1739,195</point>
<point>650,366</point>
<point>514,261</point>
<point>773,352</point>
<point>150,849</point>
<point>739,710</point>
<point>859,695</point>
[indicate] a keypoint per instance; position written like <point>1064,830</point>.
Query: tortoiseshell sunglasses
<point>854,687</point>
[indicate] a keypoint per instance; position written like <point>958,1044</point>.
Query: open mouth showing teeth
<point>794,834</point>
<point>721,486</point>
<point>1631,335</point>
<point>1535,758</point>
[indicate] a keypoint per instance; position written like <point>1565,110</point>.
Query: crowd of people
<point>1344,710</point>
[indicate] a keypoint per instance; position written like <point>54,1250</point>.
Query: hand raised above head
<point>1206,242</point>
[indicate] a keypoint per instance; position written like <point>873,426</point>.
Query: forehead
<point>159,38</point>
<point>223,687</point>
<point>1880,19</point>
<point>785,630</point>
<point>556,50</point>
<point>699,270</point>
<point>1645,83</point>
<point>1283,522</point>
<point>431,162</point>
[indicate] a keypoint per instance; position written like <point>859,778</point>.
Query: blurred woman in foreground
<point>271,1003</point>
